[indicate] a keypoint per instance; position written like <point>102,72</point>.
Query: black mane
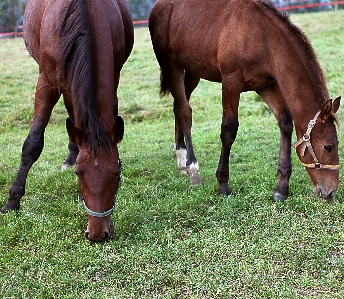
<point>77,72</point>
<point>307,46</point>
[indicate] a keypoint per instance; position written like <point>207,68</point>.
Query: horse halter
<point>109,212</point>
<point>305,142</point>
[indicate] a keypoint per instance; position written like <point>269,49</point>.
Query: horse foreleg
<point>284,166</point>
<point>273,97</point>
<point>45,100</point>
<point>230,101</point>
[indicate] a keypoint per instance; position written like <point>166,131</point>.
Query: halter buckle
<point>306,138</point>
<point>317,165</point>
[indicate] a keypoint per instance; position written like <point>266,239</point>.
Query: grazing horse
<point>247,46</point>
<point>80,47</point>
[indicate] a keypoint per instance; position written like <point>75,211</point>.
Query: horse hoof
<point>183,171</point>
<point>195,179</point>
<point>225,191</point>
<point>279,197</point>
<point>8,208</point>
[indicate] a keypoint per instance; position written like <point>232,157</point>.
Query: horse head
<point>318,150</point>
<point>99,176</point>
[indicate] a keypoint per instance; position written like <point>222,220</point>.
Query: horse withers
<point>247,46</point>
<point>80,47</point>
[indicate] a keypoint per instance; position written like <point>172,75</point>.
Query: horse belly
<point>200,67</point>
<point>197,55</point>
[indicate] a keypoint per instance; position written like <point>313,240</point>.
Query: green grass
<point>172,240</point>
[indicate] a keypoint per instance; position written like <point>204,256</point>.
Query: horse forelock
<point>306,46</point>
<point>76,71</point>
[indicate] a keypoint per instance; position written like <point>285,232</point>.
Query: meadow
<point>172,240</point>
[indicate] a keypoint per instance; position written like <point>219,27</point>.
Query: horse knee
<point>229,132</point>
<point>34,143</point>
<point>32,148</point>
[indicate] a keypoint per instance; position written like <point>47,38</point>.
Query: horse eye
<point>117,174</point>
<point>328,147</point>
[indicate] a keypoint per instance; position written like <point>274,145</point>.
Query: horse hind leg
<point>190,83</point>
<point>181,91</point>
<point>72,155</point>
<point>186,164</point>
<point>45,100</point>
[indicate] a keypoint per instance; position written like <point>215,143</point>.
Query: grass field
<point>172,240</point>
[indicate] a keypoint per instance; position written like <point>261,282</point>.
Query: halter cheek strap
<point>305,142</point>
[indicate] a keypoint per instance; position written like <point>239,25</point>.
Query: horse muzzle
<point>99,230</point>
<point>325,193</point>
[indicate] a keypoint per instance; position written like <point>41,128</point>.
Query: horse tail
<point>76,71</point>
<point>164,88</point>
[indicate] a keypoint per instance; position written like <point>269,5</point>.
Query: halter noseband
<point>109,212</point>
<point>305,142</point>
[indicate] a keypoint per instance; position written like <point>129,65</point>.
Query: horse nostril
<point>331,195</point>
<point>106,235</point>
<point>87,235</point>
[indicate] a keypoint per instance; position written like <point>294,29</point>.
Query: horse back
<point>111,28</point>
<point>210,38</point>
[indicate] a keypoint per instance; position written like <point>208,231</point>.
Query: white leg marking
<point>194,175</point>
<point>65,167</point>
<point>181,159</point>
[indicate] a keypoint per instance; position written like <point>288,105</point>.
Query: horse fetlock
<point>16,192</point>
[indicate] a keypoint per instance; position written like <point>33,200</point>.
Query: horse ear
<point>335,105</point>
<point>117,131</point>
<point>76,135</point>
<point>326,110</point>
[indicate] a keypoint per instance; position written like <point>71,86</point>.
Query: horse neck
<point>294,66</point>
<point>302,83</point>
<point>302,95</point>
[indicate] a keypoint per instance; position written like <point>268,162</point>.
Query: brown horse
<point>80,47</point>
<point>247,45</point>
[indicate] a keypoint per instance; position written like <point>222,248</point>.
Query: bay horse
<point>80,47</point>
<point>247,46</point>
